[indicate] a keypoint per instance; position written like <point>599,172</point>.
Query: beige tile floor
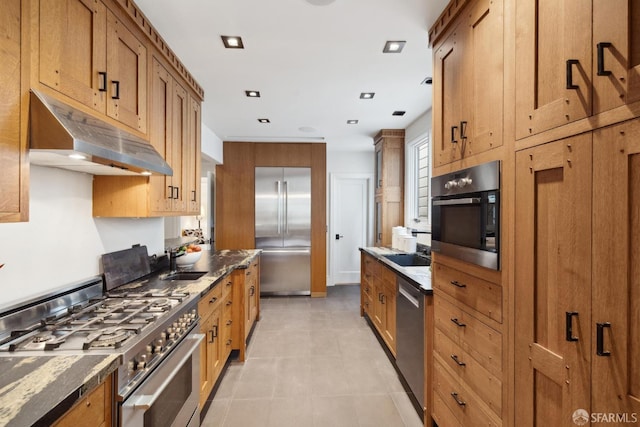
<point>312,362</point>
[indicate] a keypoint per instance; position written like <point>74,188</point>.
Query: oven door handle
<point>145,401</point>
<point>465,201</point>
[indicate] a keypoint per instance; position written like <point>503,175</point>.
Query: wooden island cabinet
<point>94,409</point>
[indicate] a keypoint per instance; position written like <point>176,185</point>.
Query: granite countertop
<point>38,389</point>
<point>418,276</point>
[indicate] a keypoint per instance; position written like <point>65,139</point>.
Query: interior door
<point>553,282</point>
<point>350,211</point>
<point>616,269</point>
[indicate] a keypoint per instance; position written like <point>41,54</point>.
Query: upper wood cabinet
<point>89,55</point>
<point>14,196</point>
<point>574,60</point>
<point>192,164</point>
<point>389,194</point>
<point>468,84</point>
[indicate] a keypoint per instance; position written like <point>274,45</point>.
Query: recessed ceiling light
<point>252,93</point>
<point>232,42</point>
<point>264,120</point>
<point>352,122</point>
<point>367,95</point>
<point>77,156</point>
<point>394,46</point>
<point>427,81</point>
<point>398,113</point>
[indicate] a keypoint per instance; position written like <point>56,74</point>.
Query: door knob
<point>339,236</point>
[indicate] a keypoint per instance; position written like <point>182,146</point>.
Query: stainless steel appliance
<point>283,229</point>
<point>466,215</point>
<point>410,337</point>
<point>152,327</point>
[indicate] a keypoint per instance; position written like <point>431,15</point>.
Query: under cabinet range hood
<point>64,137</point>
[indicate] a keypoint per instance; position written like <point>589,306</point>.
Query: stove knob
<point>451,184</point>
<point>131,367</point>
<point>158,347</point>
<point>462,182</point>
<point>142,363</point>
<point>149,349</point>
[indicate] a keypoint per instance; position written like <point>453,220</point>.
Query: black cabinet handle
<point>600,339</point>
<point>463,129</point>
<point>453,134</point>
<point>457,322</point>
<point>570,64</point>
<point>458,284</point>
<point>215,331</point>
<point>458,362</point>
<point>194,195</point>
<point>569,325</point>
<point>103,81</point>
<point>458,401</point>
<point>212,300</point>
<point>229,322</point>
<point>116,83</point>
<point>601,47</point>
<point>229,303</point>
<point>170,191</point>
<point>211,336</point>
<point>177,196</point>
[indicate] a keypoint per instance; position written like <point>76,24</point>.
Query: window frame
<point>411,179</point>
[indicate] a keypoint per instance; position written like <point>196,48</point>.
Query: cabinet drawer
<point>479,340</point>
<point>227,286</point>
<point>388,276</point>
<point>442,414</point>
<point>467,369</point>
<point>480,295</point>
<point>208,302</point>
<point>92,410</point>
<point>371,267</point>
<point>464,404</point>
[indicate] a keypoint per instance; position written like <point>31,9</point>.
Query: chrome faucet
<point>173,254</point>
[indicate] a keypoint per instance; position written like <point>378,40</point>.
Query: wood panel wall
<point>235,197</point>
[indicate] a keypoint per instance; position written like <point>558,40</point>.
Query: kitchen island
<point>38,388</point>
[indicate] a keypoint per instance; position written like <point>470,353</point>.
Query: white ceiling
<point>309,62</point>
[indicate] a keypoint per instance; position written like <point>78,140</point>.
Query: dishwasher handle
<point>406,292</point>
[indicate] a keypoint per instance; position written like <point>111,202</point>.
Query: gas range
<point>140,325</point>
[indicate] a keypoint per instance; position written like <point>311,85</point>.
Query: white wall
<point>62,242</point>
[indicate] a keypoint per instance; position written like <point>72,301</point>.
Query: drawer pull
<point>458,401</point>
<point>458,284</point>
<point>600,351</point>
<point>458,362</point>
<point>457,322</point>
<point>212,300</point>
<point>252,291</point>
<point>229,283</point>
<point>570,64</point>
<point>228,342</point>
<point>229,303</point>
<point>229,322</point>
<point>102,87</point>
<point>601,69</point>
<point>569,325</point>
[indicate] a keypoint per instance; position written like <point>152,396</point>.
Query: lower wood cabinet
<point>94,409</point>
<point>211,360</point>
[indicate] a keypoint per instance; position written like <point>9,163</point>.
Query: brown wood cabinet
<point>574,60</point>
<point>210,309</point>
<point>378,298</point>
<point>468,65</point>
<point>14,195</point>
<point>88,54</point>
<point>94,409</point>
<point>246,294</point>
<point>468,345</point>
<point>175,133</point>
<point>553,342</point>
<point>389,194</point>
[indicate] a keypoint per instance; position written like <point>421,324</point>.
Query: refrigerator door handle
<point>286,208</point>
<point>279,203</point>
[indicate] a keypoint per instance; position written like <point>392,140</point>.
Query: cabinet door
<point>72,53</point>
<point>553,64</point>
<point>616,53</point>
<point>12,149</point>
<point>127,76</point>
<point>192,175</point>
<point>160,134</point>
<point>389,307</point>
<point>447,96</point>
<point>552,281</point>
<point>206,358</point>
<point>482,84</point>
<point>379,168</point>
<point>179,144</point>
<point>616,269</point>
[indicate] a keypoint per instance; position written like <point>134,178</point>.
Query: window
<point>418,183</point>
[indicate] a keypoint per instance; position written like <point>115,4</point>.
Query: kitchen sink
<point>409,260</point>
<point>185,275</point>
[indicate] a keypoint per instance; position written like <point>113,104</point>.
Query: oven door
<point>170,395</point>
<point>466,226</point>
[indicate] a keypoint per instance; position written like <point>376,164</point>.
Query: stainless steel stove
<point>144,324</point>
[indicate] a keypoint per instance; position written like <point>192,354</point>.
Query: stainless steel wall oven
<point>466,215</point>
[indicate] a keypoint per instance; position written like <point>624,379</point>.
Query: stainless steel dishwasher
<point>410,337</point>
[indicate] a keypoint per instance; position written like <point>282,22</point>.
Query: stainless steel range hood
<point>58,131</point>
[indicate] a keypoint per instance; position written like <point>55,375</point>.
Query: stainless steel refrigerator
<point>283,230</point>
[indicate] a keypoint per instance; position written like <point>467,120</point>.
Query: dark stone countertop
<point>420,277</point>
<point>38,389</point>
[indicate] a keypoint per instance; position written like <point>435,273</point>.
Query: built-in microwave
<point>466,215</point>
